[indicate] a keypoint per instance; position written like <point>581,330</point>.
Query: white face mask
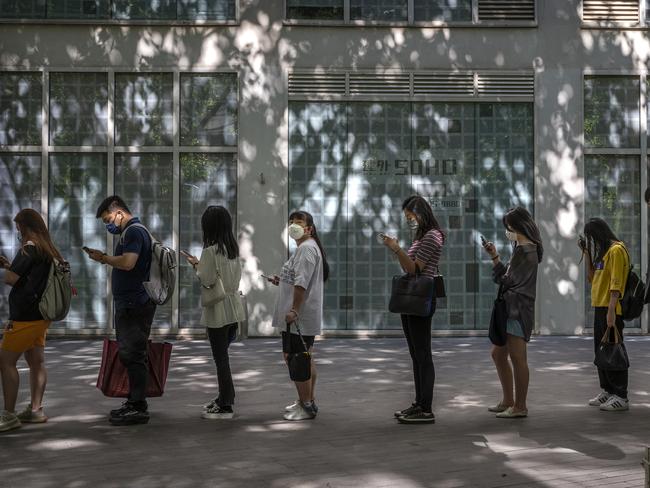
<point>511,236</point>
<point>296,231</point>
<point>413,224</point>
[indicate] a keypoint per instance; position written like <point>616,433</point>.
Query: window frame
<point>114,21</point>
<point>641,152</point>
<point>411,22</point>
<point>110,149</point>
<point>641,23</point>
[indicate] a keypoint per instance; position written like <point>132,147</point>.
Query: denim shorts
<point>514,328</point>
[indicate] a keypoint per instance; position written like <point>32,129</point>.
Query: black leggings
<point>613,382</point>
<point>220,339</point>
<point>418,337</point>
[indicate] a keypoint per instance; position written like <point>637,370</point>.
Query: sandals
<point>510,413</point>
<point>498,408</point>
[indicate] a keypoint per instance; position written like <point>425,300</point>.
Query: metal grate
<point>610,11</point>
<point>505,85</point>
<point>506,10</point>
<point>452,84</point>
<point>311,83</point>
<point>379,84</point>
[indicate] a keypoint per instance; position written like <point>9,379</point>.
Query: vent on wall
<point>380,84</point>
<point>311,83</point>
<point>503,85</point>
<point>452,84</point>
<point>610,11</point>
<point>500,10</point>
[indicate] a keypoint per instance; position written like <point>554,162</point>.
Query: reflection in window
<point>613,193</point>
<point>612,111</point>
<point>21,97</point>
<point>78,109</point>
<point>22,9</point>
<point>145,182</point>
<point>144,9</point>
<point>143,109</point>
<point>206,179</point>
<point>78,9</point>
<point>209,109</point>
<point>206,9</point>
<point>315,9</point>
<point>77,186</point>
<point>317,177</point>
<point>20,179</point>
<point>380,10</point>
<point>442,10</point>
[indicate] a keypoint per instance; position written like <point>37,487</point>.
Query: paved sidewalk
<point>354,442</point>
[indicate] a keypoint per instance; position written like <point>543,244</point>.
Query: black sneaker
<point>418,416</point>
<point>406,411</point>
<point>130,416</point>
<point>118,411</point>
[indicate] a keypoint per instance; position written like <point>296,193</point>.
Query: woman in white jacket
<point>220,261</point>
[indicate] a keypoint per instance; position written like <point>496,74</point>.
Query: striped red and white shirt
<point>428,249</point>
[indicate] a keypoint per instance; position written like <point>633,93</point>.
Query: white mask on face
<point>296,231</point>
<point>413,224</point>
<point>511,236</point>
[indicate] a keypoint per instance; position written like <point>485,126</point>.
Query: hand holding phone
<point>275,279</point>
<point>4,262</point>
<point>381,237</point>
<point>483,241</point>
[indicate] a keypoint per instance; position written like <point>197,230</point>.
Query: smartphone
<point>381,237</point>
<point>85,248</point>
<point>483,241</point>
<point>270,278</point>
<point>185,253</point>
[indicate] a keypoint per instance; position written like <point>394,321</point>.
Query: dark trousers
<point>613,382</point>
<point>220,339</point>
<point>132,328</point>
<point>418,337</point>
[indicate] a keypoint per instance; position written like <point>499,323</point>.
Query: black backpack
<point>634,296</point>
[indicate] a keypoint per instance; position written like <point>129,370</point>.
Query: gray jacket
<point>519,281</point>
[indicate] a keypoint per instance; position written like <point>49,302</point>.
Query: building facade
<point>340,107</point>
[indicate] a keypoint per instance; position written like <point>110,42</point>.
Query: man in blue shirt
<point>134,310</point>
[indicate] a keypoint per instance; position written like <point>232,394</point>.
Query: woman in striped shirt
<point>423,256</point>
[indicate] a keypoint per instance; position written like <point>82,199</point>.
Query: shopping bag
<point>113,379</point>
<point>612,355</point>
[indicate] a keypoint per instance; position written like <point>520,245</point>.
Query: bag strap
<point>304,344</point>
<point>606,336</point>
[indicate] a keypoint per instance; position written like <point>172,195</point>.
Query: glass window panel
<point>78,9</point>
<point>78,109</point>
<point>144,9</point>
<point>145,182</point>
<point>209,109</point>
<point>612,111</point>
<point>206,179</point>
<point>206,9</point>
<point>22,9</point>
<point>317,174</point>
<point>77,186</point>
<point>143,109</point>
<point>380,10</point>
<point>20,179</point>
<point>442,10</point>
<point>21,97</point>
<point>315,9</point>
<point>613,193</point>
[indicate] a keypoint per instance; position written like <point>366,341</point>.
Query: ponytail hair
<point>33,227</point>
<point>307,217</point>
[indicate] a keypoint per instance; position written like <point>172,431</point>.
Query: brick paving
<point>354,442</point>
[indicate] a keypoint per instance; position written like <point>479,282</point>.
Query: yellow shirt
<point>610,275</point>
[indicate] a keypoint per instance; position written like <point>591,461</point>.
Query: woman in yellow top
<point>607,263</point>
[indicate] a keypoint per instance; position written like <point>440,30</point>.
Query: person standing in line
<point>300,304</point>
<point>607,263</point>
<point>26,329</point>
<point>134,310</point>
<point>220,260</point>
<point>518,280</point>
<point>423,256</point>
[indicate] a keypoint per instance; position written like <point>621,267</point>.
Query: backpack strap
<point>152,239</point>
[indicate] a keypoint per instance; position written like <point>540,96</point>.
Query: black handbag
<point>499,320</point>
<point>413,294</point>
<point>299,363</point>
<point>612,356</point>
<point>439,285</point>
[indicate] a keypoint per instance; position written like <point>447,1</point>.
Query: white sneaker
<point>9,421</point>
<point>292,407</point>
<point>600,399</point>
<point>300,413</point>
<point>615,404</point>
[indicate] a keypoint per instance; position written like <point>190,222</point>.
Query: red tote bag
<point>113,380</point>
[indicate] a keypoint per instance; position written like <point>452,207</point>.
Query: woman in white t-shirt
<point>300,304</point>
